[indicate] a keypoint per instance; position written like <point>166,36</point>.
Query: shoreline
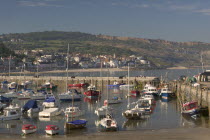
<point>160,134</point>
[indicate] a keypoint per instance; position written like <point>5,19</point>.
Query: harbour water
<point>166,115</point>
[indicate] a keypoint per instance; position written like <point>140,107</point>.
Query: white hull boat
<point>10,115</point>
<point>50,112</point>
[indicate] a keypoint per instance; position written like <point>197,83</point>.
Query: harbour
<point>159,119</point>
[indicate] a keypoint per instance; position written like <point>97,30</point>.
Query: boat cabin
<point>190,105</point>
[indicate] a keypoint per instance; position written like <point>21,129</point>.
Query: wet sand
<point>162,134</point>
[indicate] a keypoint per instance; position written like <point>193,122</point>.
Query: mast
<point>128,106</point>
<point>67,68</point>
<point>202,62</point>
<point>9,64</point>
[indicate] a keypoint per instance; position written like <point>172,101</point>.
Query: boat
<point>92,93</point>
<point>134,93</point>
<point>12,85</point>
<point>73,112</point>
<point>103,110</point>
<point>152,90</point>
<point>108,123</point>
<point>13,107</point>
<point>166,94</point>
<point>115,85</point>
<point>30,107</point>
<point>50,101</point>
<point>5,99</point>
<point>28,129</point>
<point>39,95</point>
<point>10,114</point>
<point>79,85</point>
<point>131,114</point>
<point>148,97</point>
<point>25,94</point>
<point>191,109</point>
<point>49,112</point>
<point>2,106</point>
<point>114,100</point>
<point>48,85</point>
<point>144,106</point>
<point>11,94</point>
<point>71,94</point>
<point>146,88</point>
<point>51,129</point>
<point>125,87</point>
<point>76,124</point>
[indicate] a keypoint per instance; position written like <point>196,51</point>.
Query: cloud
<point>38,3</point>
<point>203,11</point>
<point>183,7</point>
<point>130,4</point>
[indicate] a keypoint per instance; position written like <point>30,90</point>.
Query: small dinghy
<point>52,129</point>
<point>76,124</point>
<point>28,129</point>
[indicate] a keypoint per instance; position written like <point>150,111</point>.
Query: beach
<point>162,134</point>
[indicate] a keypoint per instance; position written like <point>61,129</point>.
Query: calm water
<point>165,114</point>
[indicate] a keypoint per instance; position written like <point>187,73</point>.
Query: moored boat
<point>76,124</point>
<point>73,112</point>
<point>52,129</point>
<point>28,128</point>
<point>191,109</point>
<point>79,85</point>
<point>11,114</point>
<point>108,123</point>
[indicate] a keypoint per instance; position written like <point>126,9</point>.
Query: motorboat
<point>191,109</point>
<point>49,112</point>
<point>2,106</point>
<point>148,97</point>
<point>11,114</point>
<point>102,111</point>
<point>75,124</point>
<point>39,95</point>
<point>108,123</point>
<point>144,106</point>
<point>70,95</point>
<point>134,93</point>
<point>125,87</point>
<point>152,90</point>
<point>28,129</point>
<point>114,100</point>
<point>50,101</point>
<point>92,93</point>
<point>52,129</point>
<point>13,107</point>
<point>12,85</point>
<point>5,99</point>
<point>48,85</point>
<point>30,107</point>
<point>25,94</point>
<point>166,94</point>
<point>73,112</point>
<point>133,114</point>
<point>11,94</point>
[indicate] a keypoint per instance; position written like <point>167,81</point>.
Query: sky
<point>173,20</point>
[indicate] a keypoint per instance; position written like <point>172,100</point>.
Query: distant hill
<point>160,52</point>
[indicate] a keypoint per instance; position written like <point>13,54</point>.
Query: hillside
<point>161,52</point>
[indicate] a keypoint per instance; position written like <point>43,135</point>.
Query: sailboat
<point>72,94</point>
<point>108,123</point>
<point>133,113</point>
<point>73,124</point>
